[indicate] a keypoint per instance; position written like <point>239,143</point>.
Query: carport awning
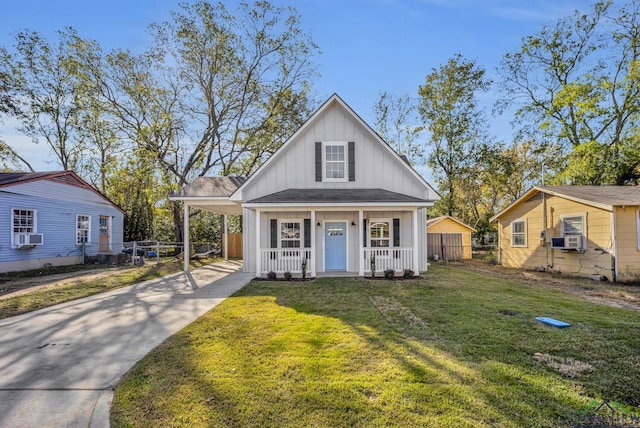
<point>211,194</point>
<point>221,206</point>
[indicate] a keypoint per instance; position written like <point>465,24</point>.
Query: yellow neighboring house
<point>579,230</point>
<point>448,231</point>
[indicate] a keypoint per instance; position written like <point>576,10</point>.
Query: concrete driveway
<point>59,366</point>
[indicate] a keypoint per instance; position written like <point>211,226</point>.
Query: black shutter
<point>274,237</point>
<point>396,232</point>
<point>352,161</point>
<point>396,237</point>
<point>307,233</point>
<point>364,233</point>
<point>318,161</point>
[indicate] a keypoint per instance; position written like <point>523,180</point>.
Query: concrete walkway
<point>59,365</point>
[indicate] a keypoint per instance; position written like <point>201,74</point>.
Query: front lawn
<point>455,349</point>
<point>81,286</point>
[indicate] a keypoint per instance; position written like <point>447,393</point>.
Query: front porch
<point>330,241</point>
<point>291,260</point>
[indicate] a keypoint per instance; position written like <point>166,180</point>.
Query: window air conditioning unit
<point>29,239</point>
<point>557,242</point>
<point>567,243</point>
<point>573,242</point>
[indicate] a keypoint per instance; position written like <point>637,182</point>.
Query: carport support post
<point>185,234</point>
<point>360,240</point>
<point>416,259</point>
<point>226,238</point>
<point>313,244</point>
<point>257,244</point>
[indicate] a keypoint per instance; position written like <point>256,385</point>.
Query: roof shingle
<point>605,195</point>
<point>321,196</point>
<point>211,187</point>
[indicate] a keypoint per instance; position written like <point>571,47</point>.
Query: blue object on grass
<point>152,254</point>
<point>552,322</point>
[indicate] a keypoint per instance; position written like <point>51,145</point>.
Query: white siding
<point>422,245</point>
<point>248,240</point>
<point>375,165</point>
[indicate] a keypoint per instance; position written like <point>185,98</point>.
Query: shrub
<point>271,276</point>
<point>287,276</point>
<point>389,273</point>
<point>373,265</point>
<point>408,274</point>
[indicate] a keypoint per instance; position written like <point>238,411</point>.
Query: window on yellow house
<point>519,233</point>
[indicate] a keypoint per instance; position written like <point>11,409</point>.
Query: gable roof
<point>336,196</point>
<point>604,197</point>
<point>335,99</point>
<point>435,220</point>
<point>8,179</point>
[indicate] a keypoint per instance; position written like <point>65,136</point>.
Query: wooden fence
<point>235,245</point>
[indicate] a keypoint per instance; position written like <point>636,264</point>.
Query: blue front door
<point>335,245</point>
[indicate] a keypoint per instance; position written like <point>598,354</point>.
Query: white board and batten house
<point>333,196</point>
<point>54,219</point>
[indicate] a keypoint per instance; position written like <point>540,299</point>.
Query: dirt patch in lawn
<point>617,295</point>
<point>568,367</point>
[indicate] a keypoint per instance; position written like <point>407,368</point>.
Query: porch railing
<point>280,260</point>
<point>396,258</point>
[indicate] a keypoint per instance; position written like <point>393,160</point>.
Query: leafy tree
<point>449,109</point>
<point>216,93</point>
<point>9,158</point>
<point>577,82</point>
<point>396,122</point>
<point>38,74</point>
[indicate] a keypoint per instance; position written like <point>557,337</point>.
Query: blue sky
<point>368,46</point>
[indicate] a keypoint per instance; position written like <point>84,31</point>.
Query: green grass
<point>75,289</point>
<point>456,349</point>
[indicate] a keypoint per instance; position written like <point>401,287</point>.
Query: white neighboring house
<point>333,196</point>
<point>50,218</point>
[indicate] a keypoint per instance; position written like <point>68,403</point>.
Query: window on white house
<point>335,161</point>
<point>519,233</point>
<point>83,223</point>
<point>291,237</point>
<point>380,234</point>
<point>290,234</point>
<point>24,221</point>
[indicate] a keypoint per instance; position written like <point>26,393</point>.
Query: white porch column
<point>257,243</point>
<point>226,237</point>
<point>313,244</point>
<point>416,244</point>
<point>360,247</point>
<point>185,234</point>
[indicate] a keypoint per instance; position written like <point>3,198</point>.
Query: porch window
<point>83,223</point>
<point>519,233</point>
<point>335,161</point>
<point>290,234</point>
<point>379,234</point>
<point>24,222</point>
